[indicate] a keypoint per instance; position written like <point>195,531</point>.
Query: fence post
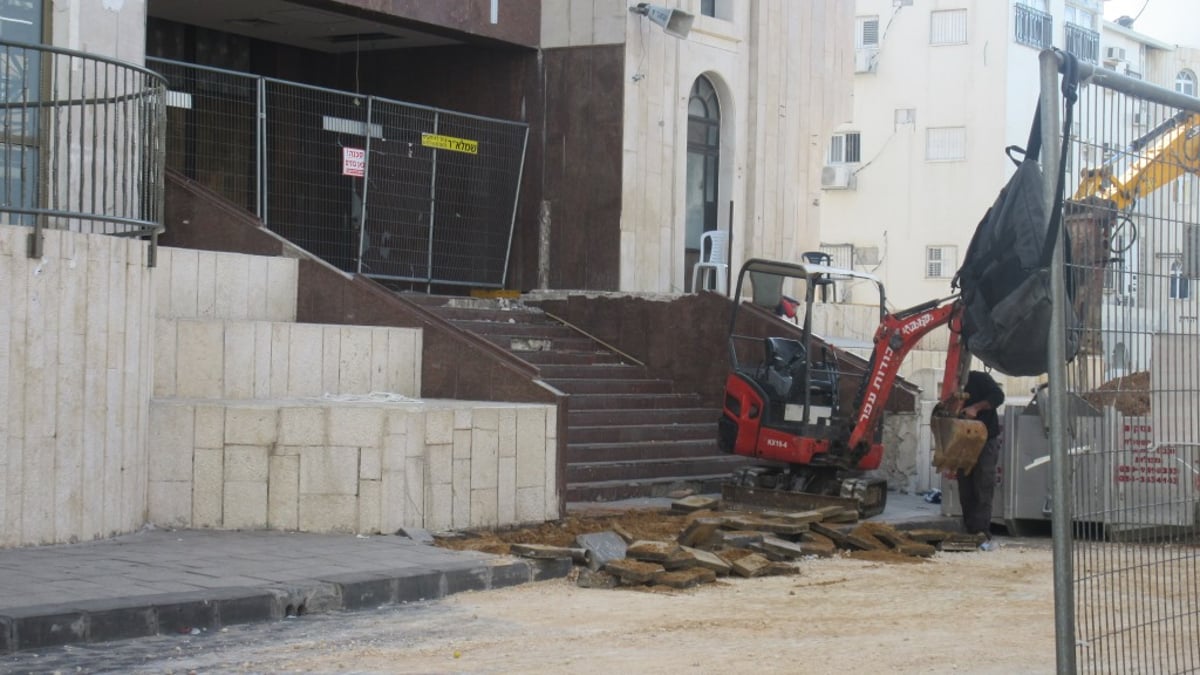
<point>362,211</point>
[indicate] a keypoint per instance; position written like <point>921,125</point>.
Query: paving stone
<point>834,534</point>
<point>708,560</point>
<point>543,551</point>
<point>775,526</point>
<point>601,547</point>
<point>962,542</point>
<point>928,536</point>
<point>740,538</point>
<point>652,551</point>
<point>553,568</point>
<point>917,549</point>
<point>623,533</point>
<point>780,547</point>
<point>685,578</point>
<point>776,569</point>
<point>680,559</point>
<point>752,565</point>
<point>417,534</point>
<point>820,549</point>
<point>633,571</point>
<point>798,517</point>
<point>596,579</point>
<point>701,533</point>
<point>694,503</point>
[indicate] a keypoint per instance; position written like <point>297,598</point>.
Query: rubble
<point>700,539</point>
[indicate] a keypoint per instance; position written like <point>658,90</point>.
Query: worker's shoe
<point>989,545</point>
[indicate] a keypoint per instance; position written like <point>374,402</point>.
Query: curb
<point>42,626</point>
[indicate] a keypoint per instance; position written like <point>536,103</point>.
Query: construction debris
<point>700,539</point>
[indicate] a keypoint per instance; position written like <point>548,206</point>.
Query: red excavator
<point>786,394</point>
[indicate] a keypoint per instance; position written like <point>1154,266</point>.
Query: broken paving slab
<point>774,526</point>
<point>694,503</point>
<point>752,565</point>
<point>596,579</point>
<point>740,538</point>
<point>780,547</point>
<point>633,571</point>
<point>652,551</point>
<point>543,552</point>
<point>821,549</point>
<point>928,535</point>
<point>708,560</point>
<point>701,533</point>
<point>601,547</point>
<point>917,549</point>
<point>685,578</point>
<point>962,542</point>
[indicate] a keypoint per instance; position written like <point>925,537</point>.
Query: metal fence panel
<point>1132,437</point>
<point>388,189</point>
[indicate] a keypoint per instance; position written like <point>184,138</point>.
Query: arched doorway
<point>703,170</point>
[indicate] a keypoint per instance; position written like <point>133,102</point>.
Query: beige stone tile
<point>206,285</point>
<point>484,459</point>
<point>508,432</point>
<point>414,491</point>
<point>232,279</point>
<point>208,488</point>
<point>161,280</point>
<point>171,434</point>
<point>356,424</point>
<point>438,507</point>
<point>531,505</point>
<point>484,508</point>
<point>439,427</point>
<point>461,493</point>
<point>246,463</point>
<point>305,351</point>
<point>416,435</point>
<point>256,288</point>
<point>380,375</point>
<point>353,359</point>
<point>170,503</point>
<point>210,426</point>
<point>282,277</point>
<point>164,358</point>
<point>439,464</point>
<point>462,418</point>
<point>370,465</point>
<point>183,284</point>
<point>303,425</point>
<point>328,513</point>
<point>331,350</point>
<point>239,360</point>
<point>280,355</point>
<point>283,493</point>
<point>200,359</point>
<point>506,491</point>
<point>262,360</point>
<point>393,500</point>
<point>251,425</point>
<point>328,471</point>
<point>462,443</point>
<point>245,505</point>
<point>369,501</point>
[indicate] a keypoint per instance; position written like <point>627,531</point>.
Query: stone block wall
<point>367,467</point>
<point>75,379</point>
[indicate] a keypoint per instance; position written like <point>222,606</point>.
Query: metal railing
<point>1123,415</point>
<point>1083,43</point>
<point>1033,27</point>
<point>387,189</point>
<point>81,143</point>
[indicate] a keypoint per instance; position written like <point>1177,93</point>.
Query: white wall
<point>115,28</point>
<point>75,378</point>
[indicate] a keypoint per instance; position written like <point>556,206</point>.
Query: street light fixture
<point>674,22</point>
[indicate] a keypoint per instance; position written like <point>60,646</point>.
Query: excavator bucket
<point>956,442</point>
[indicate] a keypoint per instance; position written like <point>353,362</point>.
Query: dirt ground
<point>981,612</point>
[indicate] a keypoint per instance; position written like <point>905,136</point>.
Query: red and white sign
<point>354,162</point>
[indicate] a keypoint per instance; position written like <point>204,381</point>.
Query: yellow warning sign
<point>450,143</point>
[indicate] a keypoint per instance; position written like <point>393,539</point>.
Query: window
<point>21,21</point>
<point>945,144</point>
<point>845,148</point>
<point>708,7</point>
<point>948,27</point>
<point>1185,83</point>
<point>1181,286</point>
<point>1033,26</point>
<point>941,262</point>
<point>866,31</point>
<point>1083,14</point>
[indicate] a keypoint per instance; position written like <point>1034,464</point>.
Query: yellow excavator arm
<point>1165,153</point>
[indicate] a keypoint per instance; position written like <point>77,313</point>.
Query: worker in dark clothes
<point>975,489</point>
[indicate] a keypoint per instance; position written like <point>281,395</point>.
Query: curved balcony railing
<point>81,143</point>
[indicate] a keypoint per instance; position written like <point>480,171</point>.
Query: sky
<point>1172,21</point>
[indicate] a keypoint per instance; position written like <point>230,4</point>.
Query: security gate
<point>388,189</point>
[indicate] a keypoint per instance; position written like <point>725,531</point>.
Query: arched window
<point>1180,285</point>
<point>703,165</point>
<point>1185,82</point>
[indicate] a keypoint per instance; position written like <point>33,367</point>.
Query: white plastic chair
<point>715,266</point>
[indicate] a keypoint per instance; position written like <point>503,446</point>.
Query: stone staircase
<point>629,434</point>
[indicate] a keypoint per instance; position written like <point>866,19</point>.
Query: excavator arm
<point>1165,153</point>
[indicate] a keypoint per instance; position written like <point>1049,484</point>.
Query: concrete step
<point>516,328</point>
<point>602,417</point>
<point>610,386</point>
<point>551,357</point>
<point>604,371</point>
<point>593,472</point>
<point>634,451</point>
<point>664,430</point>
<point>632,401</point>
<point>524,344</point>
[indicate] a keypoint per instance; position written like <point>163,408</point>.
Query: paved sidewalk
<point>165,581</point>
<point>162,581</point>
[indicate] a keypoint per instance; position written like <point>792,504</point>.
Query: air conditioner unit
<point>1114,54</point>
<point>837,177</point>
<point>865,59</point>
